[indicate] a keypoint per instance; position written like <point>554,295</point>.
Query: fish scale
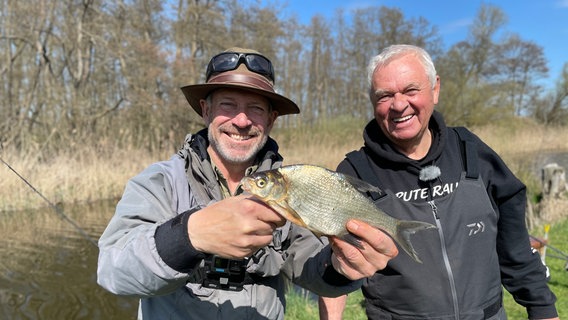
<point>318,198</point>
<point>323,201</point>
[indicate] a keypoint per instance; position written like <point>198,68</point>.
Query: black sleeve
<point>331,276</point>
<point>174,246</point>
<point>522,272</point>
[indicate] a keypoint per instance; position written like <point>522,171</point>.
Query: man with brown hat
<point>188,242</point>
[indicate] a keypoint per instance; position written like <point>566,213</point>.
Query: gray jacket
<point>135,260</point>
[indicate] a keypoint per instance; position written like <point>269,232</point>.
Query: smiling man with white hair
<point>448,177</point>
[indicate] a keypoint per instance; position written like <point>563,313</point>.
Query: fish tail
<point>404,230</point>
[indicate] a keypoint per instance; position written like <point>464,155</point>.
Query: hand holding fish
<point>233,228</point>
<point>326,203</point>
<point>377,248</point>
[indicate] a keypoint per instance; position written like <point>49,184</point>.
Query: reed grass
<point>74,177</point>
<point>89,174</point>
<point>323,144</point>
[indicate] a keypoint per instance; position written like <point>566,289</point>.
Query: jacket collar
<point>381,148</point>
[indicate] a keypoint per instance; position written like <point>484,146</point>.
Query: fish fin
<point>353,240</point>
<point>288,213</point>
<point>362,186</point>
<point>404,230</point>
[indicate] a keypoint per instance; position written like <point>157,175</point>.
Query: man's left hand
<point>355,263</point>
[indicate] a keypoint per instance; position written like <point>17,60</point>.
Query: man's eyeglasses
<point>227,61</point>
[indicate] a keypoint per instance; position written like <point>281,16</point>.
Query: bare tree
<point>107,74</point>
<point>291,69</point>
<point>26,64</point>
<point>553,107</point>
<point>469,96</point>
<point>520,63</point>
<point>318,35</point>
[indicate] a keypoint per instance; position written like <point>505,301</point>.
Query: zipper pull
<point>434,209</point>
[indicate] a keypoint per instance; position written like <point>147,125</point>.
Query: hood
<point>384,152</point>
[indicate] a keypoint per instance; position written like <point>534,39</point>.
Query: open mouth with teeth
<point>402,119</point>
<point>240,137</point>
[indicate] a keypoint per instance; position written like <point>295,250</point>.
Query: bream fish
<point>323,201</point>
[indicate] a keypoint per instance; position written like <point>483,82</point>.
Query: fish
<point>323,200</point>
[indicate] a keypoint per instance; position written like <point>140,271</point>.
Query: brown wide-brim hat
<point>240,78</point>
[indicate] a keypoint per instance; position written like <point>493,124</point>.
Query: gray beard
<point>225,155</point>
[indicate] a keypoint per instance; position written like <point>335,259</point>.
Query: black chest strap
<point>362,167</point>
<point>469,153</point>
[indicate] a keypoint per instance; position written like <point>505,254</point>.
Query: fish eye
<point>261,182</point>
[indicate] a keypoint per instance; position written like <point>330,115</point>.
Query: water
<point>48,269</point>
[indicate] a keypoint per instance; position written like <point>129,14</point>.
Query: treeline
<point>106,74</point>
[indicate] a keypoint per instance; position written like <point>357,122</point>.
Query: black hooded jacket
<point>521,271</point>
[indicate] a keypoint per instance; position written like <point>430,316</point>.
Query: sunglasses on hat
<point>228,61</point>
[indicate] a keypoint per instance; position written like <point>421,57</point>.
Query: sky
<point>544,22</point>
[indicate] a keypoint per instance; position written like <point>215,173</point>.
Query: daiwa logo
<point>475,228</point>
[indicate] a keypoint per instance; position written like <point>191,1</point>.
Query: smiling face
<point>238,123</point>
<point>404,100</point>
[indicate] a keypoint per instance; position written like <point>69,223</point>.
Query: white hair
<point>395,51</point>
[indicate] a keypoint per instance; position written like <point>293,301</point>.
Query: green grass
<point>558,238</point>
<point>302,308</point>
<point>299,307</point>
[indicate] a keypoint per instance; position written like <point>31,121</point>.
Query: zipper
<point>446,259</point>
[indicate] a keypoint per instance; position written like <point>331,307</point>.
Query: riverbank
<point>86,175</point>
<point>49,261</point>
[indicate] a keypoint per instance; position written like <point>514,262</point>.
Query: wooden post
<point>553,181</point>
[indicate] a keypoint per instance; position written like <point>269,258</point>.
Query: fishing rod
<point>53,206</point>
<point>563,255</point>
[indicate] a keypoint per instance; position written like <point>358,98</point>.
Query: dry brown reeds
<point>74,177</point>
<point>523,137</point>
<point>88,175</point>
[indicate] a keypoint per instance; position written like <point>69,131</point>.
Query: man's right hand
<point>233,228</point>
